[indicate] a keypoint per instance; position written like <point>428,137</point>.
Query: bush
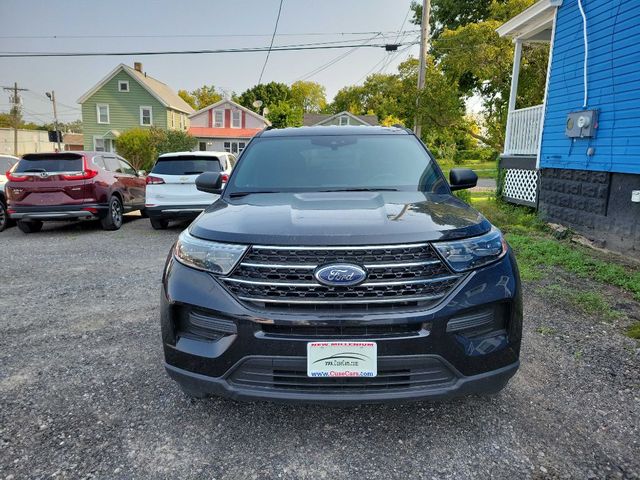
<point>137,146</point>
<point>141,146</point>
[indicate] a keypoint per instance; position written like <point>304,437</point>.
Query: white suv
<point>6,163</point>
<point>171,185</point>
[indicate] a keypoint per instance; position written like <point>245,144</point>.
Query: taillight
<point>225,178</point>
<point>154,180</point>
<point>91,210</point>
<point>86,174</point>
<point>15,178</point>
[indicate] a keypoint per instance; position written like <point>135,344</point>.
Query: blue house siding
<point>613,87</point>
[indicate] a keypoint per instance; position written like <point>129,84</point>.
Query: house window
<point>123,85</point>
<point>202,146</point>
<point>241,146</point>
<point>227,147</point>
<point>172,119</point>
<point>102,113</point>
<point>146,116</point>
<point>218,118</point>
<point>102,144</point>
<point>236,119</point>
<point>182,122</point>
<point>344,120</point>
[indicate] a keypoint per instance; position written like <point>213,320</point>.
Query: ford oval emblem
<point>340,275</point>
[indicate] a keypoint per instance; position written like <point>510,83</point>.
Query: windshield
<point>335,162</point>
<point>62,162</point>
<point>186,165</point>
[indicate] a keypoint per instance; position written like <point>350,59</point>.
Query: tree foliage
<point>136,145</point>
<point>310,97</point>
<point>270,94</point>
<point>201,97</point>
<point>471,54</point>
<point>141,146</point>
<point>284,114</point>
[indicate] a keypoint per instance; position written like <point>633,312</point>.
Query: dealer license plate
<point>342,359</point>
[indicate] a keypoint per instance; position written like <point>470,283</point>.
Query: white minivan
<point>171,185</point>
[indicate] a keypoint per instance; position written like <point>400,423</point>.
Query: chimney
<point>137,66</point>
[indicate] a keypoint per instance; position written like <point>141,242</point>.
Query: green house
<point>128,98</point>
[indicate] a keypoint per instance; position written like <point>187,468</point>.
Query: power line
<point>219,35</point>
<point>284,48</point>
<point>332,62</point>
<point>275,29</point>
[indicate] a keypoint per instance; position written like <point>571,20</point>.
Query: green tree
<point>187,97</point>
<point>472,55</point>
<point>284,114</point>
<point>137,146</point>
<point>141,146</point>
<point>166,141</point>
<point>270,94</point>
<point>201,97</point>
<point>310,97</point>
<point>380,94</point>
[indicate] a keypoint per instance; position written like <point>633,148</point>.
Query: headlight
<point>473,252</point>
<point>207,255</point>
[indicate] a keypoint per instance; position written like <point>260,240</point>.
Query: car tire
<point>4,217</point>
<point>30,226</point>
<point>113,219</point>
<point>159,224</point>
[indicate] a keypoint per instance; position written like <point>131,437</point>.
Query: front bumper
<point>58,212</point>
<point>254,363</point>
<point>167,212</point>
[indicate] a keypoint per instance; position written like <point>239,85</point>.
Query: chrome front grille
<point>398,275</point>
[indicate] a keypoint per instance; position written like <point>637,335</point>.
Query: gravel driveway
<point>83,393</point>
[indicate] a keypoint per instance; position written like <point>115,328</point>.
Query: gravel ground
<point>83,393</point>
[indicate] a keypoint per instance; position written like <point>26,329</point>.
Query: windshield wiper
<point>244,194</point>
<point>363,189</point>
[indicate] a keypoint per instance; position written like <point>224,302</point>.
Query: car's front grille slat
<point>397,276</point>
<point>394,373</point>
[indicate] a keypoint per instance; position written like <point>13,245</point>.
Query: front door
<point>235,146</point>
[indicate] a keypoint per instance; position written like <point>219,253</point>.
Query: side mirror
<point>461,178</point>
<point>141,173</point>
<point>209,182</point>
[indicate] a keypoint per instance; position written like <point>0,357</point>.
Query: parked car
<point>171,185</point>
<point>6,162</point>
<point>73,186</point>
<point>337,267</point>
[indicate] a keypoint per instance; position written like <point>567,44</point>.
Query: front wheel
<point>113,219</point>
<point>4,218</point>
<point>29,227</point>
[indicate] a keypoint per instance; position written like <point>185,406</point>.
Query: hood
<point>338,218</point>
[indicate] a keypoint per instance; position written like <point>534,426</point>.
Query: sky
<point>145,25</point>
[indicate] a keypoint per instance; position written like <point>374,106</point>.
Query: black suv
<point>338,267</point>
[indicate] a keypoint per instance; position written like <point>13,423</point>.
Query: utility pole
<point>52,97</point>
<point>424,48</point>
<point>15,111</point>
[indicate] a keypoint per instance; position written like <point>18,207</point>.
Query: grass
<point>588,302</point>
<point>634,331</point>
<point>482,169</point>
<point>536,248</point>
<point>539,253</point>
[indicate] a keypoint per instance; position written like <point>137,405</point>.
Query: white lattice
<point>521,185</point>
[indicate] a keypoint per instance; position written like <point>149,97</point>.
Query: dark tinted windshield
<point>186,165</point>
<point>341,162</point>
<point>50,163</point>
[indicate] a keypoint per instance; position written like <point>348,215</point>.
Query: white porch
<point>520,157</point>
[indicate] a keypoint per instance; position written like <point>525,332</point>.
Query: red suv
<point>73,186</point>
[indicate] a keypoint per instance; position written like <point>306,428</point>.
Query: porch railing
<point>523,131</point>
